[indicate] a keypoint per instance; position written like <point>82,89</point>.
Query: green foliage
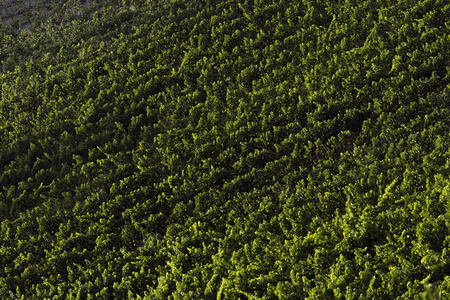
<point>224,149</point>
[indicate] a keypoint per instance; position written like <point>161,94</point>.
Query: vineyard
<point>257,149</point>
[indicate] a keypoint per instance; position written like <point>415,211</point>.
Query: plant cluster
<point>266,149</point>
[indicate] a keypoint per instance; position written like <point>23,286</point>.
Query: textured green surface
<point>226,150</point>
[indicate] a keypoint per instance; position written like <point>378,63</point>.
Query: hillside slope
<point>226,150</point>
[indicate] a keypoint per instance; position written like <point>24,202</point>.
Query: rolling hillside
<point>262,149</point>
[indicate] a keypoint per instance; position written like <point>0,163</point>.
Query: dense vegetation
<point>266,149</point>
